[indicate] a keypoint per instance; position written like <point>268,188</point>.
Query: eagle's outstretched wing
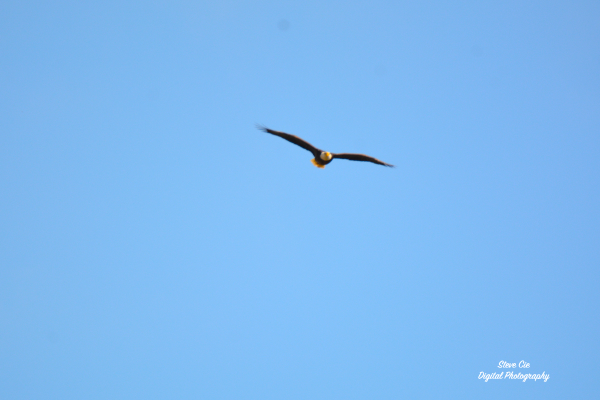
<point>360,157</point>
<point>291,138</point>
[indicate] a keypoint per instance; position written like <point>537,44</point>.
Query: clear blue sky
<point>154,244</point>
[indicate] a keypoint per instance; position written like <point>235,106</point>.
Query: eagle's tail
<point>316,164</point>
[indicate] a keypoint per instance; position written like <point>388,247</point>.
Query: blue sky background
<point>155,245</point>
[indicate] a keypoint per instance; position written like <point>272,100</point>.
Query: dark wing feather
<point>291,138</point>
<point>360,157</point>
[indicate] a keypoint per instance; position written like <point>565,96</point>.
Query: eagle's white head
<point>326,156</point>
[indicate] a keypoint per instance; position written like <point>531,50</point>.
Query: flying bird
<point>322,158</point>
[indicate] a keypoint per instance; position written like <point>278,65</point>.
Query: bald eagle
<point>322,158</point>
